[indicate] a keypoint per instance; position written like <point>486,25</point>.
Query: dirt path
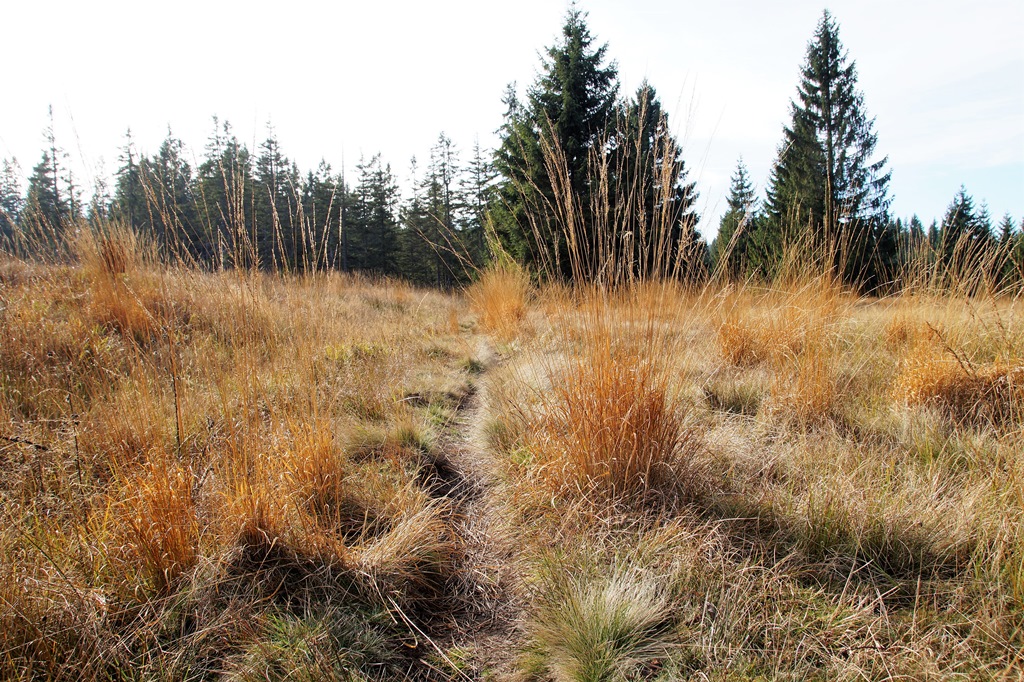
<point>480,638</point>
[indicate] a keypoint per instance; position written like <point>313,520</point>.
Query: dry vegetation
<point>220,474</point>
<point>246,477</point>
<point>751,483</point>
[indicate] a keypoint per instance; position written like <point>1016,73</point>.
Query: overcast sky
<point>944,80</point>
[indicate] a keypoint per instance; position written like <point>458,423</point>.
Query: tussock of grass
<point>612,429</point>
<point>990,392</point>
<point>500,297</point>
<point>617,627</point>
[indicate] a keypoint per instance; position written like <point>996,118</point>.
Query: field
<point>244,476</point>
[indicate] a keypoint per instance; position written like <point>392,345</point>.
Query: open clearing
<point>237,476</point>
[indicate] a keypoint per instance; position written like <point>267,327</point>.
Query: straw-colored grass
<point>240,475</point>
<point>500,297</point>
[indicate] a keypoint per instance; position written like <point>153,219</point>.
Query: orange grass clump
<point>992,392</point>
<point>500,298</point>
<point>613,429</point>
<point>162,524</point>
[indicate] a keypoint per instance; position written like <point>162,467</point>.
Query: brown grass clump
<point>611,426</point>
<point>161,526</point>
<point>990,392</point>
<point>806,390</point>
<point>613,429</point>
<point>777,325</point>
<point>500,297</point>
<point>122,295</point>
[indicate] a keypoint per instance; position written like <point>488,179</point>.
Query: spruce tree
<point>652,202</point>
<point>321,206</point>
<point>43,218</point>
<point>567,113</point>
<point>275,190</point>
<point>168,184</point>
<point>50,202</point>
<point>827,190</point>
<point>129,205</point>
<point>224,191</point>
<point>964,238</point>
<point>477,184</point>
<point>730,246</point>
<point>373,223</point>
<point>1005,248</point>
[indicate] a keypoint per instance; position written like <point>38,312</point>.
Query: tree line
<point>239,208</point>
<point>585,184</point>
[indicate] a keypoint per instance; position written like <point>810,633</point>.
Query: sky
<point>343,80</point>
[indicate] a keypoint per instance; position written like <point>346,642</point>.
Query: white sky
<point>944,79</point>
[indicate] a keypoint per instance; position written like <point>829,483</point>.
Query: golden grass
<point>992,392</point>
<point>181,454</point>
<point>837,512</point>
<point>224,474</point>
<point>613,429</point>
<point>500,297</point>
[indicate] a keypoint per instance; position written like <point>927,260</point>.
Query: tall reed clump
<point>161,524</point>
<point>122,294</point>
<point>610,425</point>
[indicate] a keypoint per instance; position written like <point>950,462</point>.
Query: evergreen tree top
<point>742,195</point>
<point>576,92</point>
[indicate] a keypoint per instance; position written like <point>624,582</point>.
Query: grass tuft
<point>618,627</point>
<point>500,297</point>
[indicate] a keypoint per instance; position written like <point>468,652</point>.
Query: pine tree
<point>373,221</point>
<point>168,184</point>
<point>826,190</point>
<point>567,112</point>
<point>964,239</point>
<point>278,242</point>
<point>130,204</point>
<point>224,194</point>
<point>730,246</point>
<point>50,199</point>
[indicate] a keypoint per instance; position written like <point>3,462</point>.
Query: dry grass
<point>608,424</point>
<point>990,392</point>
<point>500,297</point>
<point>612,428</point>
<point>236,475</point>
<point>182,461</point>
<point>835,526</point>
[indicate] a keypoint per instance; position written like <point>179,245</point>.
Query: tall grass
<point>182,462</point>
<point>846,465</point>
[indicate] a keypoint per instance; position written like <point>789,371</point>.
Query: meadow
<point>244,476</point>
